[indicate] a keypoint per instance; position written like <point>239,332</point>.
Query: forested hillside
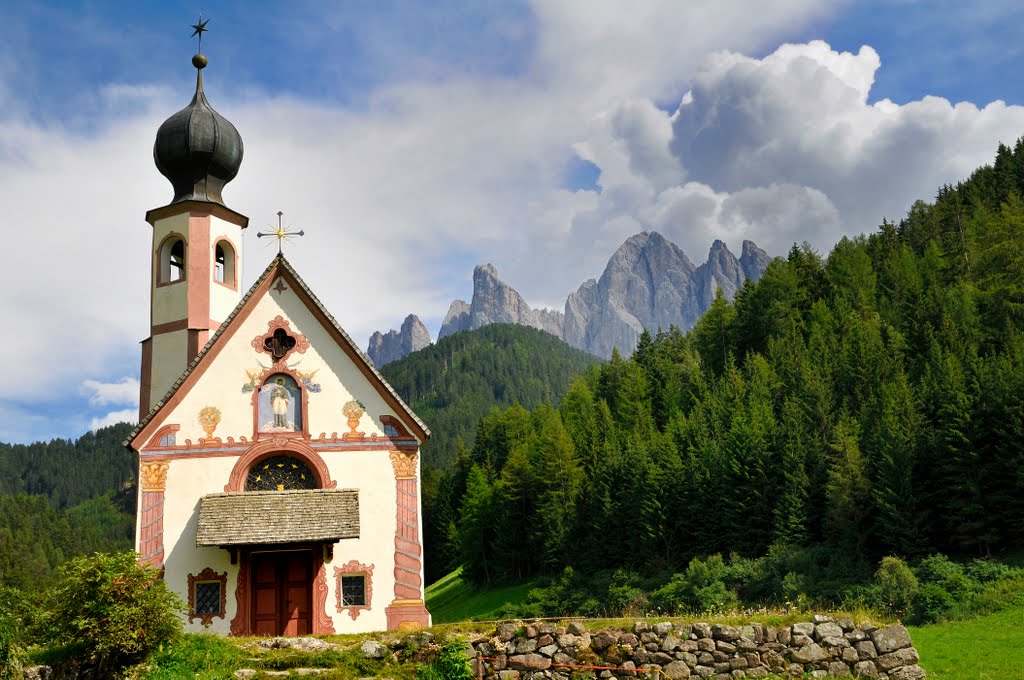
<point>841,409</point>
<point>458,381</point>
<point>452,384</point>
<point>63,498</point>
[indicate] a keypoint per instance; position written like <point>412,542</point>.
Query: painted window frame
<point>350,569</point>
<point>207,575</point>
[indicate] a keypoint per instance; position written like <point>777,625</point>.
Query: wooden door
<point>282,593</point>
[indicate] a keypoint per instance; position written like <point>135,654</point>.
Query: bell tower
<point>197,241</point>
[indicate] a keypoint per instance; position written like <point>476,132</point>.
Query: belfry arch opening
<point>224,263</point>
<point>172,260</point>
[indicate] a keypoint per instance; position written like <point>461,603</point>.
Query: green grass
<point>987,648</point>
<point>208,657</point>
<point>451,599</point>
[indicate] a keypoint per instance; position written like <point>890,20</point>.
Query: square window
<point>353,590</point>
<point>208,598</point>
<point>167,440</point>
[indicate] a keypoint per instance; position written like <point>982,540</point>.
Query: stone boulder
<point>890,638</point>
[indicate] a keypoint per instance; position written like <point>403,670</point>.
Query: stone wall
<point>820,648</point>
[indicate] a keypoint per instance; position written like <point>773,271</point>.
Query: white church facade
<point>279,478</point>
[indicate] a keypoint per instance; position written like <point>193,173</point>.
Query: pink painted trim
<point>269,447</point>
<point>408,552</point>
<point>151,528</point>
<point>154,441</point>
<point>322,622</point>
<point>200,270</point>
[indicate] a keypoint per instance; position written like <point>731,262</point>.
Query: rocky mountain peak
<point>393,345</point>
<point>753,260</point>
<point>650,283</point>
<point>494,301</point>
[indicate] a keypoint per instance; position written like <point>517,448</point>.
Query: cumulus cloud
<point>124,391</point>
<point>778,150</point>
<point>114,417</point>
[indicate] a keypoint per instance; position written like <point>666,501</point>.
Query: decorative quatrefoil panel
<point>279,341</point>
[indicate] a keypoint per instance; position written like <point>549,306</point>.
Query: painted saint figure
<point>279,405</point>
<point>279,402</point>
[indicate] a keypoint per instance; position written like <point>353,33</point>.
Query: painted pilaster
<point>153,476</point>
<point>407,610</point>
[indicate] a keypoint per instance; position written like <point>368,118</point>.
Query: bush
<point>898,586</point>
<point>701,589</point>
<point>451,663</point>
<point>985,570</point>
<point>946,591</point>
<point>998,595</point>
<point>115,609</point>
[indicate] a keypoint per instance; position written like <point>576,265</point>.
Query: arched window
<point>172,260</point>
<point>224,263</point>
<point>280,473</point>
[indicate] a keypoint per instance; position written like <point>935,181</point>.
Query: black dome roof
<point>198,149</point>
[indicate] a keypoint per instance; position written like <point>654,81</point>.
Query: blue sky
<point>431,137</point>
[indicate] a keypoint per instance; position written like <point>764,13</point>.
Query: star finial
<point>199,29</point>
<point>282,233</point>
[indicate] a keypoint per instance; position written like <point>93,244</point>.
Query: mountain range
<point>648,283</point>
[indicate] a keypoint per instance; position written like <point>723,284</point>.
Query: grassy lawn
<point>988,648</point>
<point>451,599</point>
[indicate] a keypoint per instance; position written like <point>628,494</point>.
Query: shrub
<point>625,596</point>
<point>115,609</point>
<point>985,570</point>
<point>946,591</point>
<point>701,589</point>
<point>451,663</point>
<point>998,595</point>
<point>934,604</point>
<point>898,586</point>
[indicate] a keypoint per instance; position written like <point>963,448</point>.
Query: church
<point>279,477</point>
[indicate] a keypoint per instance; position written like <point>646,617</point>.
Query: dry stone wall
<point>821,648</point>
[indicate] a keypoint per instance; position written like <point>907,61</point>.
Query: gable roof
<point>279,265</point>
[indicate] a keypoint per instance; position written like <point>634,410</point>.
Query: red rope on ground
<point>570,665</point>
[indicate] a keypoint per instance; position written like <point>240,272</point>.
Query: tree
<point>475,530</point>
<point>847,490</point>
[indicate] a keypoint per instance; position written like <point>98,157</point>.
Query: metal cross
<point>282,233</point>
<point>199,29</point>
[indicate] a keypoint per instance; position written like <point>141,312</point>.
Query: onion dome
<point>198,149</point>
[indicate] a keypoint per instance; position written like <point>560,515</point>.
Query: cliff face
<point>494,301</point>
<point>650,283</point>
<point>387,347</point>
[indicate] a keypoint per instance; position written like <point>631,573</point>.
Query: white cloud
<point>777,150</point>
<point>124,391</point>
<point>114,417</point>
